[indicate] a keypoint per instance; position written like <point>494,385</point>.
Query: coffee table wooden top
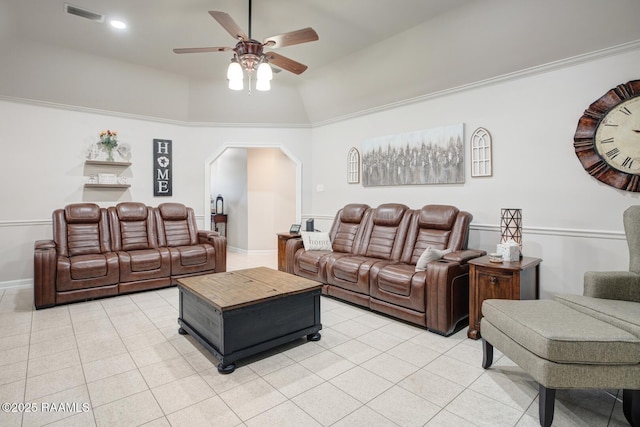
<point>234,289</point>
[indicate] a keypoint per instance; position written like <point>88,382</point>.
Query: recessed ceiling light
<point>118,24</point>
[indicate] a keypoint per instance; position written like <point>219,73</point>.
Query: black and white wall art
<point>430,156</point>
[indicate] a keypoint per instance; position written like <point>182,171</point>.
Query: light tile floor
<point>120,361</point>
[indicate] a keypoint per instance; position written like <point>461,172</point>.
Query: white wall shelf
<point>112,186</point>
<point>98,165</point>
<point>106,163</point>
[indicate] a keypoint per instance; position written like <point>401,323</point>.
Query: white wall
<point>571,220</point>
<point>229,179</point>
<point>272,196</point>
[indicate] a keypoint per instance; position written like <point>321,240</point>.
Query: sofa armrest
<point>464,255</point>
<point>205,235</point>
<point>447,295</point>
<point>618,285</point>
<point>219,244</point>
<point>293,245</point>
<point>44,273</point>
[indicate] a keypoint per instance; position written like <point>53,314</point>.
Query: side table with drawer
<point>517,280</point>
<point>282,249</point>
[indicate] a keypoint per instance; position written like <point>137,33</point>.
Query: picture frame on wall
<point>429,156</point>
<point>353,166</point>
<point>162,168</point>
<point>481,153</point>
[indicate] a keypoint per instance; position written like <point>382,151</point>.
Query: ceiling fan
<point>250,55</point>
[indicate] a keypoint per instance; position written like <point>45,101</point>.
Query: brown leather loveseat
<point>373,262</point>
<point>98,252</point>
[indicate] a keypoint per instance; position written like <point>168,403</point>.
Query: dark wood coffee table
<point>240,313</point>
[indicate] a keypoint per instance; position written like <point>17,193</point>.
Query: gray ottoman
<point>563,348</point>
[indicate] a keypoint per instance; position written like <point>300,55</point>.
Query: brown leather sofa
<point>98,252</point>
<point>373,262</point>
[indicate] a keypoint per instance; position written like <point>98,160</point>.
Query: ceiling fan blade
<point>285,63</point>
<point>304,35</point>
<point>229,24</point>
<point>201,49</point>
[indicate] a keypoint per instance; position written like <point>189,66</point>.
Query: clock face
<point>607,139</point>
<point>617,137</point>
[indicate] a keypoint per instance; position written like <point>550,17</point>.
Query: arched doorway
<point>261,186</point>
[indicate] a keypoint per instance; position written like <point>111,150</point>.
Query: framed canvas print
<point>430,156</point>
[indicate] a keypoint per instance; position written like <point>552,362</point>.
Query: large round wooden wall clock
<point>607,140</point>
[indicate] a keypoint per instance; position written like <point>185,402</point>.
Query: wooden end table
<point>282,249</point>
<point>517,280</point>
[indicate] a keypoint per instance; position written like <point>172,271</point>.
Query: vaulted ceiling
<point>370,53</point>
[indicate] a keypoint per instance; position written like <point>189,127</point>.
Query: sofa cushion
<point>390,223</point>
<point>82,213</point>
<point>88,267</point>
<point>623,314</point>
<point>398,284</point>
<point>81,229</point>
<point>389,214</point>
<point>192,255</point>
<point>353,213</point>
<point>131,211</point>
<point>146,260</point>
<point>439,217</point>
<point>430,254</point>
<point>134,235</point>
<point>310,260</point>
<point>316,241</point>
<point>83,239</point>
<point>555,332</point>
<point>173,211</point>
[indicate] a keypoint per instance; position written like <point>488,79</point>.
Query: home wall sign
<point>607,139</point>
<point>162,167</point>
<point>431,156</point>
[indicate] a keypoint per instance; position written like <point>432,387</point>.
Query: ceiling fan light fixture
<point>236,84</point>
<point>234,72</point>
<point>117,24</point>
<point>263,85</point>
<point>264,72</point>
<point>249,54</point>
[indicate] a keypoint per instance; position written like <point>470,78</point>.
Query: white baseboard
<point>252,251</point>
<point>21,283</point>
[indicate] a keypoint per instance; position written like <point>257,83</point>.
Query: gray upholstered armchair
<point>577,341</point>
<point>620,285</point>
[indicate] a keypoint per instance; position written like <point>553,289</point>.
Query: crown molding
<point>527,72</point>
<point>81,109</point>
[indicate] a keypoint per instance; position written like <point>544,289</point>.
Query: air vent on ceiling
<point>83,13</point>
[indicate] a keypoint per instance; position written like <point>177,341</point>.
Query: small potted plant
<point>109,141</point>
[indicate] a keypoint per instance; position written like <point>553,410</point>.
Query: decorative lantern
<point>219,204</point>
<point>511,225</point>
<point>510,234</point>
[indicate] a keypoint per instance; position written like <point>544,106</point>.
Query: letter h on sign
<point>162,165</point>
